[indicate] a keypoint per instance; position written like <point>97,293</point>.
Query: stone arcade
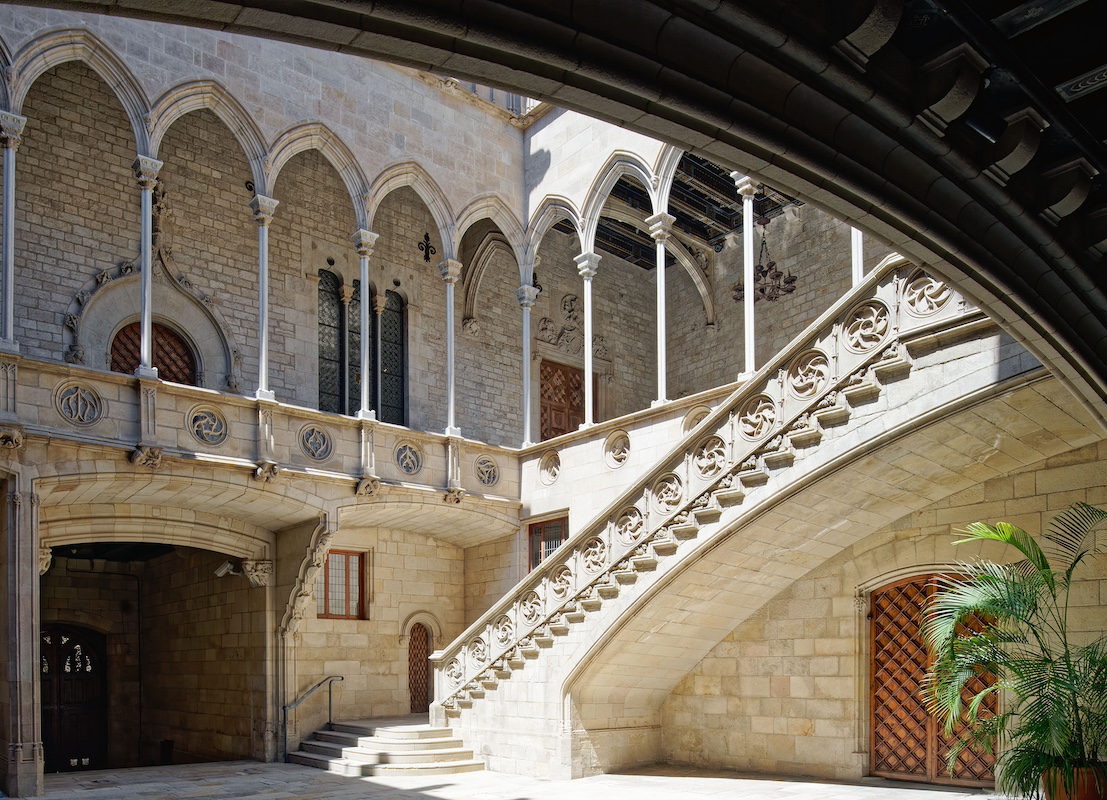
<point>313,366</point>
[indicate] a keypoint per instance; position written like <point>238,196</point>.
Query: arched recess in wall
<point>317,136</point>
<point>427,620</point>
<point>58,47</point>
<point>412,174</point>
<point>618,166</point>
<point>491,245</point>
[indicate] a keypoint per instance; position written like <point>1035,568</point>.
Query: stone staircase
<point>386,747</point>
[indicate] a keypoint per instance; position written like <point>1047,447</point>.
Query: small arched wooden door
<point>418,668</point>
<point>74,698</point>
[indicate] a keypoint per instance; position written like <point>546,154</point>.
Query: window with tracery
<point>393,360</point>
<point>340,346</point>
<point>173,358</point>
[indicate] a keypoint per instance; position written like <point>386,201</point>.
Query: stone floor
<point>257,781</point>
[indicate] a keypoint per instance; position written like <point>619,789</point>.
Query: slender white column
<point>146,170</point>
<point>526,296</point>
<point>586,266</point>
<point>747,188</point>
<point>379,302</point>
<point>11,132</point>
<point>451,271</point>
<point>858,255</point>
<point>661,227</point>
<point>363,242</point>
<point>263,208</point>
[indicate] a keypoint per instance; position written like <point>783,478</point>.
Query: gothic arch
<point>493,244</point>
<point>196,95</point>
<point>667,162</point>
<point>489,206</point>
<point>5,65</point>
<point>550,210</point>
<point>317,136</point>
<point>424,618</point>
<point>620,164</point>
<point>72,44</point>
<point>410,173</point>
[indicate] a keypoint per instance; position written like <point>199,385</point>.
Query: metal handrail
<point>329,680</point>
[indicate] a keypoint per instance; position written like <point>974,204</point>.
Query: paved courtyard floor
<point>250,779</point>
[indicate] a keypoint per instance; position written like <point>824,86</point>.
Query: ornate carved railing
<point>838,360</point>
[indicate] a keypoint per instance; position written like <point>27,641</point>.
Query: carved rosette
<point>316,443</point>
<point>409,459</point>
<point>616,450</point>
<point>454,672</point>
<point>926,295</point>
<point>488,473</point>
<point>549,467</point>
<point>503,631</point>
<point>710,457</point>
<point>78,404</point>
<point>478,653</point>
<point>561,582</point>
<point>866,326</point>
<point>758,417</point>
<point>594,556</point>
<point>808,374</point>
<point>530,608</point>
<point>208,426</point>
<point>668,491</point>
<point>629,525</point>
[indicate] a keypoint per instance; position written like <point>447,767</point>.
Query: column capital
<point>450,269</point>
<point>11,129</point>
<point>346,294</point>
<point>526,296</point>
<point>380,299</point>
<point>146,170</point>
<point>364,242</point>
<point>264,208</point>
<point>661,226</point>
<point>587,264</point>
<point>747,186</point>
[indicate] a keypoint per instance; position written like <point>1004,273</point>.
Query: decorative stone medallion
<point>808,374</point>
<point>926,295</point>
<point>409,458</point>
<point>616,450</point>
<point>208,426</point>
<point>594,555</point>
<point>866,326</point>
<point>478,653</point>
<point>710,457</point>
<point>668,492</point>
<point>78,404</point>
<point>694,418</point>
<point>561,582</point>
<point>757,417</point>
<point>316,443</point>
<point>629,525</point>
<point>454,673</point>
<point>487,471</point>
<point>530,608</point>
<point>549,467</point>
<point>503,631</point>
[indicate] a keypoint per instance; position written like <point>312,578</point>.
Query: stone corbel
<point>873,33</point>
<point>368,486</point>
<point>1016,145</point>
<point>259,573</point>
<point>1065,188</point>
<point>11,437</point>
<point>146,456</point>
<point>949,84</point>
<point>453,495</point>
<point>45,559</point>
<point>267,471</point>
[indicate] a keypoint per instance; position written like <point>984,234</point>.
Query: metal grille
<point>330,343</point>
<point>393,360</point>
<point>172,357</point>
<point>907,742</point>
<point>418,652</point>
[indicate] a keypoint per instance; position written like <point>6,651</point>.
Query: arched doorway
<point>418,668</point>
<point>907,743</point>
<point>74,698</point>
<point>173,357</point>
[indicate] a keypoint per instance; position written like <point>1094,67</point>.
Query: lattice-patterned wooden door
<point>907,742</point>
<point>562,399</point>
<point>418,668</point>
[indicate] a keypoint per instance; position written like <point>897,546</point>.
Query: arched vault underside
<point>825,106</point>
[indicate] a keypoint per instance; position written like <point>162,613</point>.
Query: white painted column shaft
<point>526,296</point>
<point>586,266</point>
<point>451,271</point>
<point>263,208</point>
<point>747,188</point>
<point>363,241</point>
<point>857,252</point>
<point>146,170</point>
<point>661,226</point>
<point>11,131</point>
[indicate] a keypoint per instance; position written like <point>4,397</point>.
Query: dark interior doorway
<point>74,698</point>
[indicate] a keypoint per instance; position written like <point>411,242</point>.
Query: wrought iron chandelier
<point>769,283</point>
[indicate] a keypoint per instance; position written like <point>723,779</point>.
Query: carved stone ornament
<point>316,443</point>
<point>757,417</point>
<point>866,327</point>
<point>616,450</point>
<point>594,556</point>
<point>925,295</point>
<point>368,486</point>
<point>629,525</point>
<point>487,471</point>
<point>668,493</point>
<point>478,653</point>
<point>503,631</point>
<point>267,471</point>
<point>146,456</point>
<point>45,559</point>
<point>561,582</point>
<point>454,673</point>
<point>208,426</point>
<point>453,495</point>
<point>549,467</point>
<point>11,438</point>
<point>710,457</point>
<point>409,459</point>
<point>808,374</point>
<point>471,326</point>
<point>530,608</point>
<point>78,404</point>
<point>258,572</point>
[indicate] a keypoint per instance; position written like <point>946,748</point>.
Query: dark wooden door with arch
<point>74,698</point>
<point>418,668</point>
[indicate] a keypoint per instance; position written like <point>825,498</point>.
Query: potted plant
<point>1012,621</point>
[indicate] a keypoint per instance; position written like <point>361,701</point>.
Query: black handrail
<point>329,680</point>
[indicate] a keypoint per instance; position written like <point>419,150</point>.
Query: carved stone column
<point>451,271</point>
<point>363,242</point>
<point>586,266</point>
<point>263,208</point>
<point>661,227</point>
<point>146,171</point>
<point>747,188</point>
<point>11,133</point>
<point>526,296</point>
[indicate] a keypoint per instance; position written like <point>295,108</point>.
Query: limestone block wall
<point>786,691</point>
<point>490,571</point>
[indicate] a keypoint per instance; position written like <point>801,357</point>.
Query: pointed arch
<point>196,95</point>
<point>619,165</point>
<point>74,44</point>
<point>550,210</point>
<point>317,136</point>
<point>5,66</point>
<point>493,244</point>
<point>490,206</point>
<point>410,173</point>
<point>665,169</point>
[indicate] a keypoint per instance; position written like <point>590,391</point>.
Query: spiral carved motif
<point>503,631</point>
<point>667,493</point>
<point>409,459</point>
<point>758,416</point>
<point>628,525</point>
<point>867,327</point>
<point>208,426</point>
<point>808,374</point>
<point>478,652</point>
<point>530,608</point>
<point>926,295</point>
<point>454,672</point>
<point>487,471</point>
<point>561,583</point>
<point>79,404</point>
<point>710,457</point>
<point>594,555</point>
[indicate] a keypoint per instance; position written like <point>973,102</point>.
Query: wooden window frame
<point>322,586</point>
<point>540,525</point>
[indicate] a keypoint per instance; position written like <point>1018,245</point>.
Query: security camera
<point>226,568</point>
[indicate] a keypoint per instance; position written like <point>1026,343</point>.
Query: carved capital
<point>450,270</point>
<point>45,559</point>
<point>264,208</point>
<point>368,486</point>
<point>11,129</point>
<point>11,437</point>
<point>747,186</point>
<point>258,572</point>
<point>453,495</point>
<point>364,242</point>
<point>380,300</point>
<point>471,326</point>
<point>587,264</point>
<point>267,471</point>
<point>661,226</point>
<point>526,295</point>
<point>146,456</point>
<point>146,171</point>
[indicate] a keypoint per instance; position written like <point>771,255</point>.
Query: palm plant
<point>1012,621</point>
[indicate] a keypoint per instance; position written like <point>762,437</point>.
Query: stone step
<point>345,766</point>
<point>371,755</point>
<point>388,744</point>
<point>369,728</point>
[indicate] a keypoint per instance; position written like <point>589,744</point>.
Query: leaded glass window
<point>393,360</point>
<point>339,586</point>
<point>340,347</point>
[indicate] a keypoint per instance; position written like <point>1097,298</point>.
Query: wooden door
<point>562,399</point>
<point>74,699</point>
<point>907,743</point>
<point>418,668</point>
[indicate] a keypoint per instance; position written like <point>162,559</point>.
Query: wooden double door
<point>907,742</point>
<point>74,698</point>
<point>561,397</point>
